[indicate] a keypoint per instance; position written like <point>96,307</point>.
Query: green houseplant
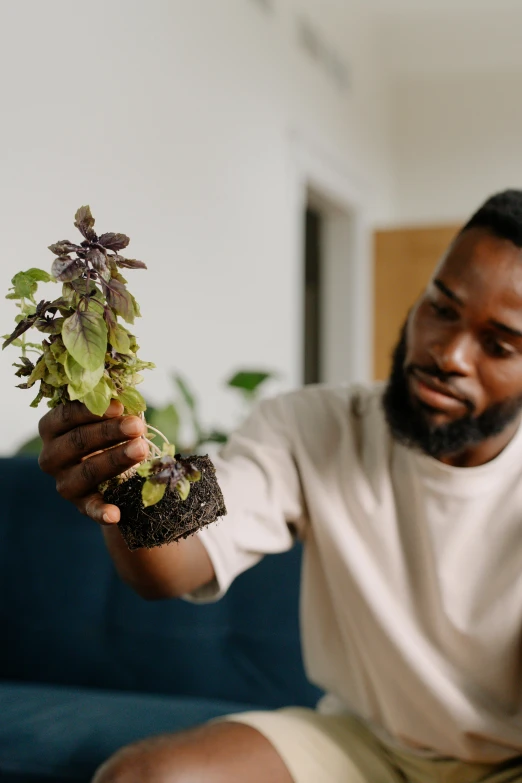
<point>88,354</point>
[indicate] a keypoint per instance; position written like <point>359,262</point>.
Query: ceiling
<point>419,38</point>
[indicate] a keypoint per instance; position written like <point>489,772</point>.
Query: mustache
<point>445,378</point>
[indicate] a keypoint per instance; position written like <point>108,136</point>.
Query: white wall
<point>457,140</point>
<point>175,120</point>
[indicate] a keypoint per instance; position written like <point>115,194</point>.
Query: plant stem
<point>158,432</point>
<point>156,451</point>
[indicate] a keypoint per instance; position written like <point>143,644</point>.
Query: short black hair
<point>502,215</point>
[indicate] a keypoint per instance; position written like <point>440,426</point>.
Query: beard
<point>409,423</point>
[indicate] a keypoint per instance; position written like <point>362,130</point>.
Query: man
<point>409,504</point>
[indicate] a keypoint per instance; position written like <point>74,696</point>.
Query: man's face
<point>457,373</point>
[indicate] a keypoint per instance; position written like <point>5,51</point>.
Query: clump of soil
<point>171,518</point>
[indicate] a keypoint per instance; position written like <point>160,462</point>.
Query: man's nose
<point>454,355</point>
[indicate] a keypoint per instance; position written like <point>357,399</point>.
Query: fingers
<point>72,414</point>
<point>102,513</point>
<point>79,483</point>
<point>81,441</point>
<point>82,451</point>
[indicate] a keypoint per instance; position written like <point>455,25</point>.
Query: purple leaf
<point>63,247</point>
<point>129,263</point>
<point>84,222</point>
<point>113,241</point>
<point>66,268</point>
<point>120,300</point>
<point>97,259</point>
<point>22,327</point>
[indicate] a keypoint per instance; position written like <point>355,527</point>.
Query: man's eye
<point>443,312</point>
<point>499,350</point>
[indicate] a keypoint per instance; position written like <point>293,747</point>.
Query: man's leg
<point>215,753</point>
<point>293,745</point>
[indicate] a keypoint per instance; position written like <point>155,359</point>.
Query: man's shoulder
<point>362,396</point>
<point>339,405</point>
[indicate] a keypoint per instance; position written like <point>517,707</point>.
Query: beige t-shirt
<point>411,594</point>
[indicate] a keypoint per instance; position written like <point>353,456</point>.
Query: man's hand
<point>82,450</point>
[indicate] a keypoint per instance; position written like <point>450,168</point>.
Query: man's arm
<point>81,451</point>
<point>168,571</point>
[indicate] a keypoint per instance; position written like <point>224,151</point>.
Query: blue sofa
<point>87,666</point>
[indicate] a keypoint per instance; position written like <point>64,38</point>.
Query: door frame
<point>347,269</point>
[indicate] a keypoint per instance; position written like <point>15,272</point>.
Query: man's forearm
<point>162,572</point>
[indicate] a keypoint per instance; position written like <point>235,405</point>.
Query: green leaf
<point>50,327</point>
<point>27,308</point>
<point>39,275</point>
<point>94,304</point>
<point>59,351</point>
<point>216,436</point>
<point>168,450</point>
<point>81,379</point>
<point>85,336</point>
<point>145,469</point>
<point>193,475</point>
<point>98,400</point>
<point>24,285</point>
<point>38,373</point>
<point>249,381</point>
<point>116,275</point>
<point>185,392</point>
<point>55,375</point>
<point>152,493</point>
<point>32,446</point>
<point>183,488</point>
<point>84,222</point>
<point>119,338</point>
<point>37,400</point>
<point>80,286</point>
<point>69,295</point>
<point>132,401</point>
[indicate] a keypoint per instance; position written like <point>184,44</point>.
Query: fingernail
<point>115,409</point>
<point>135,450</point>
<point>132,426</point>
<point>107,518</point>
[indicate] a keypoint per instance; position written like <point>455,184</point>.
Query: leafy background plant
<point>180,418</point>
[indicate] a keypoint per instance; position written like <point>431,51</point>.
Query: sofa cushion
<point>67,618</point>
<point>63,734</point>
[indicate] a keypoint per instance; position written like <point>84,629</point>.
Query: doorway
<point>332,241</point>
<point>404,260</point>
<point>334,311</point>
<point>312,371</point>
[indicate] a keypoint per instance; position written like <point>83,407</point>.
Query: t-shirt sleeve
<point>260,482</point>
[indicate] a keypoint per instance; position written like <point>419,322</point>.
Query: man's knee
<point>142,762</point>
<point>224,752</point>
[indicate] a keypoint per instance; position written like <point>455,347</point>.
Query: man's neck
<point>484,452</point>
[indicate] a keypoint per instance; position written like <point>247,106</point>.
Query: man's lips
<point>436,394</point>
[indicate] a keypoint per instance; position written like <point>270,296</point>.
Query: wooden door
<point>404,260</point>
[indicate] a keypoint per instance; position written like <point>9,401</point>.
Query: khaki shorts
<point>340,749</point>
